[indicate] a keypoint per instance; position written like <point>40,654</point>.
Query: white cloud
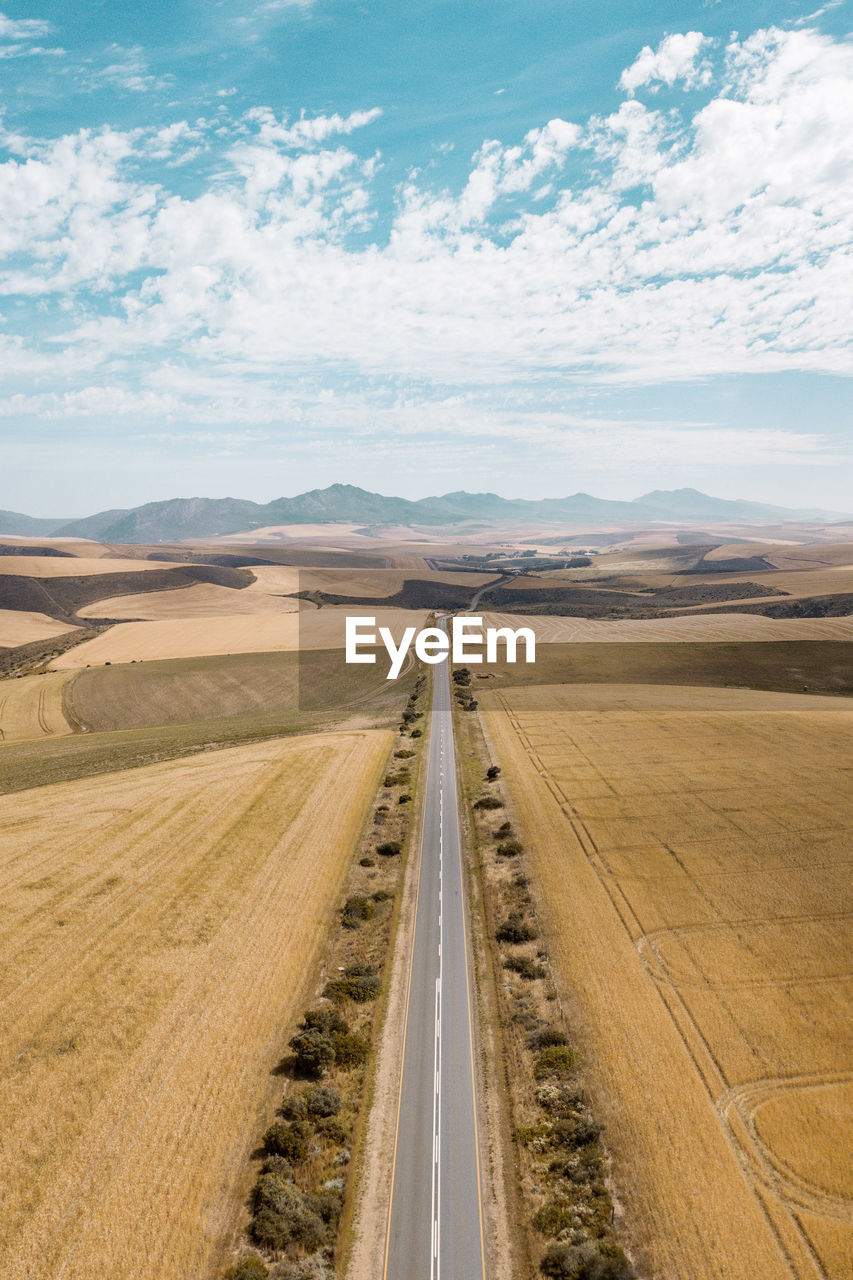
<point>640,246</point>
<point>23,28</point>
<point>673,60</point>
<point>128,70</point>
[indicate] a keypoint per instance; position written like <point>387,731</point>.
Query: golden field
<point>32,707</point>
<point>718,628</point>
<point>199,637</point>
<point>691,854</point>
<point>158,927</point>
<point>20,627</point>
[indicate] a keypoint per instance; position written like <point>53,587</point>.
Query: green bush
<point>552,1218</point>
<point>253,1268</point>
<point>417,733</point>
<point>515,929</point>
<point>489,802</point>
<point>382,895</point>
<point>350,1049</point>
<point>397,779</point>
<point>462,676</point>
<point>403,755</point>
<point>585,1261</point>
<point>289,1139</point>
<point>278,1164</point>
<point>557,1062</point>
<point>389,848</point>
<point>333,1129</point>
<point>404,798</point>
<point>510,848</point>
<point>366,862</point>
<point>322,1101</point>
<point>525,967</point>
<point>545,1036</point>
<point>313,1050</point>
<point>493,771</point>
<point>360,989</point>
<point>575,1132</point>
<point>356,910</point>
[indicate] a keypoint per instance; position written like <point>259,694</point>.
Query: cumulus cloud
<point>674,59</point>
<point>637,246</point>
<point>23,28</point>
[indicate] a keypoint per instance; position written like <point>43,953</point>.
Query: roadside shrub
<point>313,1050</point>
<point>552,1218</point>
<point>358,988</point>
<point>405,754</point>
<point>515,929</point>
<point>510,848</point>
<point>322,1101</point>
<point>409,717</point>
<point>561,1099</point>
<point>326,1204</point>
<point>489,802</point>
<point>333,1129</point>
<point>546,1036</point>
<point>366,862</point>
<point>493,771</point>
<point>382,895</point>
<point>575,1132</point>
<point>462,676</point>
<point>289,1139</point>
<point>389,848</point>
<point>350,1049</point>
<point>253,1268</point>
<point>293,1107</point>
<point>282,1216</point>
<point>505,829</point>
<point>417,733</point>
<point>524,967</point>
<point>278,1165</point>
<point>557,1062</point>
<point>328,1020</point>
<point>396,779</point>
<point>355,911</point>
<point>584,1262</point>
<point>404,798</point>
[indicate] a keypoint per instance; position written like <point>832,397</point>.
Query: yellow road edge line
<point>470,1025</point>
<point>406,1013</point>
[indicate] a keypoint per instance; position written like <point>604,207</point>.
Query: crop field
<point>77,566</point>
<point>20,627</point>
<point>158,927</point>
<point>717,628</point>
<point>230,634</point>
<point>32,707</point>
<point>691,853</point>
<point>206,600</point>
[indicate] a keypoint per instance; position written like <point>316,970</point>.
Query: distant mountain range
<point>187,518</point>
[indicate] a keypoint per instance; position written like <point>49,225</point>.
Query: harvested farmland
<point>33,707</point>
<point>200,601</point>
<point>160,925</point>
<point>234,633</point>
<point>18,627</point>
<point>716,627</point>
<point>690,851</point>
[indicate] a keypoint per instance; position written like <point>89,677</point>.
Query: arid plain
<point>187,764</point>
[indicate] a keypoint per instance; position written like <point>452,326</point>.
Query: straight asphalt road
<point>435,1222</point>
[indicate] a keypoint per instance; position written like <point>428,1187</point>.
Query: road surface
<point>435,1222</point>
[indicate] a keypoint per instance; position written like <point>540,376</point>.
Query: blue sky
<point>257,246</point>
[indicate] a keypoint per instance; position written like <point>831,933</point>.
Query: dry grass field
<point>20,627</point>
<point>158,926</point>
<point>77,566</point>
<point>232,633</point>
<point>32,707</point>
<point>718,628</point>
<point>202,601</point>
<point>691,853</point>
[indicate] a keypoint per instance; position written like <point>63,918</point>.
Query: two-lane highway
<point>435,1222</point>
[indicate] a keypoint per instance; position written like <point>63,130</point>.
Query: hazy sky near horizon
<point>251,247</point>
